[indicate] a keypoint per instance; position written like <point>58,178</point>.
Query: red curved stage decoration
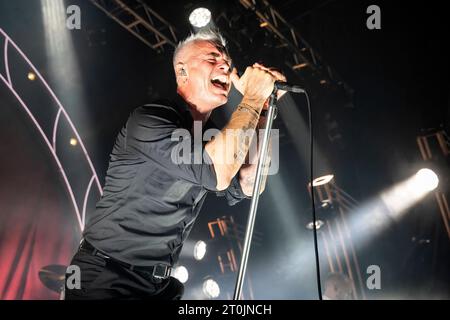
<point>35,232</point>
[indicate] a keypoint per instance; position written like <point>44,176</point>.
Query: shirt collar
<point>183,107</point>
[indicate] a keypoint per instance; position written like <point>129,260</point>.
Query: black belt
<point>159,271</point>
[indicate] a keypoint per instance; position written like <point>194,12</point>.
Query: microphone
<point>286,86</point>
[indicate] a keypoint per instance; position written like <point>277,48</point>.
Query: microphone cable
<point>311,149</point>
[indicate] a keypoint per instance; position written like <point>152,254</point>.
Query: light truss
<point>141,21</point>
<point>304,57</point>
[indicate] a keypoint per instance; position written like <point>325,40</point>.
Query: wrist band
<point>247,108</point>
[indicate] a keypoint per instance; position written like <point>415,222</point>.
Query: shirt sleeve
<point>233,193</point>
<point>154,132</point>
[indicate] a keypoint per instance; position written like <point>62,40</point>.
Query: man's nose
<point>225,67</point>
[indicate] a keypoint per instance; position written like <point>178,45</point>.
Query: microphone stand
<point>262,156</point>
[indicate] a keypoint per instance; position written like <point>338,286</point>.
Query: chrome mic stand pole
<point>262,156</point>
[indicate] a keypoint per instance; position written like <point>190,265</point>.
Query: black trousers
<point>102,279</point>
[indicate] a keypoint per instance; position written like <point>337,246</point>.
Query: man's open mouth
<point>220,82</point>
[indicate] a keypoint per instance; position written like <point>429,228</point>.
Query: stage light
<point>73,142</point>
<point>211,288</point>
<point>322,180</point>
<point>31,76</point>
<point>426,180</point>
<point>325,203</point>
<point>299,66</point>
<point>181,274</point>
<point>319,224</point>
<point>391,205</point>
<point>199,250</point>
<point>200,17</point>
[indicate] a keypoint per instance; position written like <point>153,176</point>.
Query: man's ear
<point>181,73</point>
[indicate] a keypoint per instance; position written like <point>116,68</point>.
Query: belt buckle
<point>165,271</point>
<point>101,255</point>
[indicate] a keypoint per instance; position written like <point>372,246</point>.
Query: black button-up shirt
<point>150,202</point>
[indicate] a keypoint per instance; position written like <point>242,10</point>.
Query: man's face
<point>208,75</point>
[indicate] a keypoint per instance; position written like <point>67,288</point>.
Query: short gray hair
<point>209,35</point>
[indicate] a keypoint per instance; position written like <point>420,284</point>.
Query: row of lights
<point>180,272</point>
<point>210,287</point>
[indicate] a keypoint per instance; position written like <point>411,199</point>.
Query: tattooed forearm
<point>229,150</point>
<point>244,137</point>
<point>248,171</point>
